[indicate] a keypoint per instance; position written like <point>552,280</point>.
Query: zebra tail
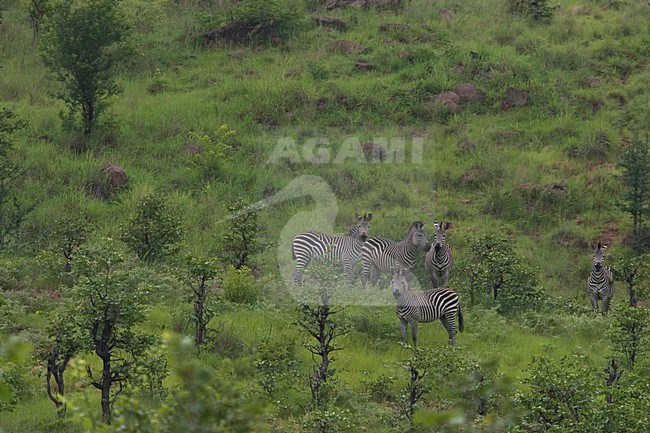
<point>461,323</point>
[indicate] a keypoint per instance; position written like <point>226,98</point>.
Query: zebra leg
<point>445,278</point>
<point>299,271</point>
<point>376,273</point>
<point>365,274</point>
<point>448,322</point>
<point>349,272</point>
<point>434,279</point>
<point>414,332</point>
<point>593,297</point>
<point>605,304</point>
<point>402,329</point>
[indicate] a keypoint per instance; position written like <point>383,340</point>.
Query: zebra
<point>425,306</point>
<point>343,250</point>
<point>600,284</point>
<point>438,261</point>
<point>384,255</point>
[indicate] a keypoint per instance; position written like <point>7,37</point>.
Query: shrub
<point>239,286</point>
<point>281,17</point>
<point>537,10</point>
<point>154,232</point>
<point>494,268</point>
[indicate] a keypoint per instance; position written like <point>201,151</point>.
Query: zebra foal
<point>600,284</point>
<point>425,306</point>
<point>343,250</point>
<point>438,261</point>
<point>384,255</point>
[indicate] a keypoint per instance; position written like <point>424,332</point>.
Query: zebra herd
<point>380,255</point>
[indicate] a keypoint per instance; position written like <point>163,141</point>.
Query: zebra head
<point>439,239</point>
<point>417,237</point>
<point>360,231</point>
<point>599,256</point>
<point>398,283</point>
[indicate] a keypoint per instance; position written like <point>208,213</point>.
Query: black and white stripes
<point>438,261</point>
<point>384,255</point>
<point>425,306</point>
<point>341,250</point>
<point>600,284</point>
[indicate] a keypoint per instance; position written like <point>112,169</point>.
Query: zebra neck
<point>409,252</point>
<point>441,254</point>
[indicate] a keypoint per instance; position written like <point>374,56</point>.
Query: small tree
<point>202,401</point>
<point>635,163</point>
<point>12,212</point>
<point>629,334</point>
<point>81,45</point>
<point>633,270</point>
<point>418,366</point>
<point>201,275</point>
<point>494,267</point>
<point>70,233</point>
<point>36,12</point>
<point>154,232</point>
<point>318,322</point>
<point>107,304</point>
<point>244,235</point>
<point>62,345</point>
<point>559,394</point>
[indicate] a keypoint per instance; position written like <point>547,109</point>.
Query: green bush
<point>537,10</point>
<point>154,232</point>
<point>495,271</point>
<point>284,17</point>
<point>239,286</point>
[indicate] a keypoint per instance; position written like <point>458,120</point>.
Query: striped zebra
<point>425,306</point>
<point>600,284</point>
<point>383,255</point>
<point>438,261</point>
<point>342,250</point>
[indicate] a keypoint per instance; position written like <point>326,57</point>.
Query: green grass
<point>487,169</point>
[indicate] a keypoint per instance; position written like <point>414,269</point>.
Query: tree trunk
<point>199,314</point>
<point>106,390</point>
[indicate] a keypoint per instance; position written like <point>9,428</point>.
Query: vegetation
<point>80,48</point>
<point>232,121</point>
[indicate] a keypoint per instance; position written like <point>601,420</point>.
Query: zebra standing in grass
<point>439,260</point>
<point>425,306</point>
<point>343,250</point>
<point>383,255</point>
<point>600,284</point>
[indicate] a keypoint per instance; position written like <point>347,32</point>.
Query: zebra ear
<point>369,216</point>
<point>604,247</point>
<point>356,214</point>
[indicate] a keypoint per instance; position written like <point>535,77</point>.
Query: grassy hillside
<point>544,173</point>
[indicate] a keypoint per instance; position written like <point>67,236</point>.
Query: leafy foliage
<point>538,10</point>
<point>12,212</point>
<point>154,232</point>
<point>201,273</point>
<point>494,267</point>
<point>635,163</point>
<point>107,303</point>
<point>629,334</point>
<point>81,47</point>
<point>239,286</point>
<point>283,17</point>
<point>214,148</point>
<point>243,236</point>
